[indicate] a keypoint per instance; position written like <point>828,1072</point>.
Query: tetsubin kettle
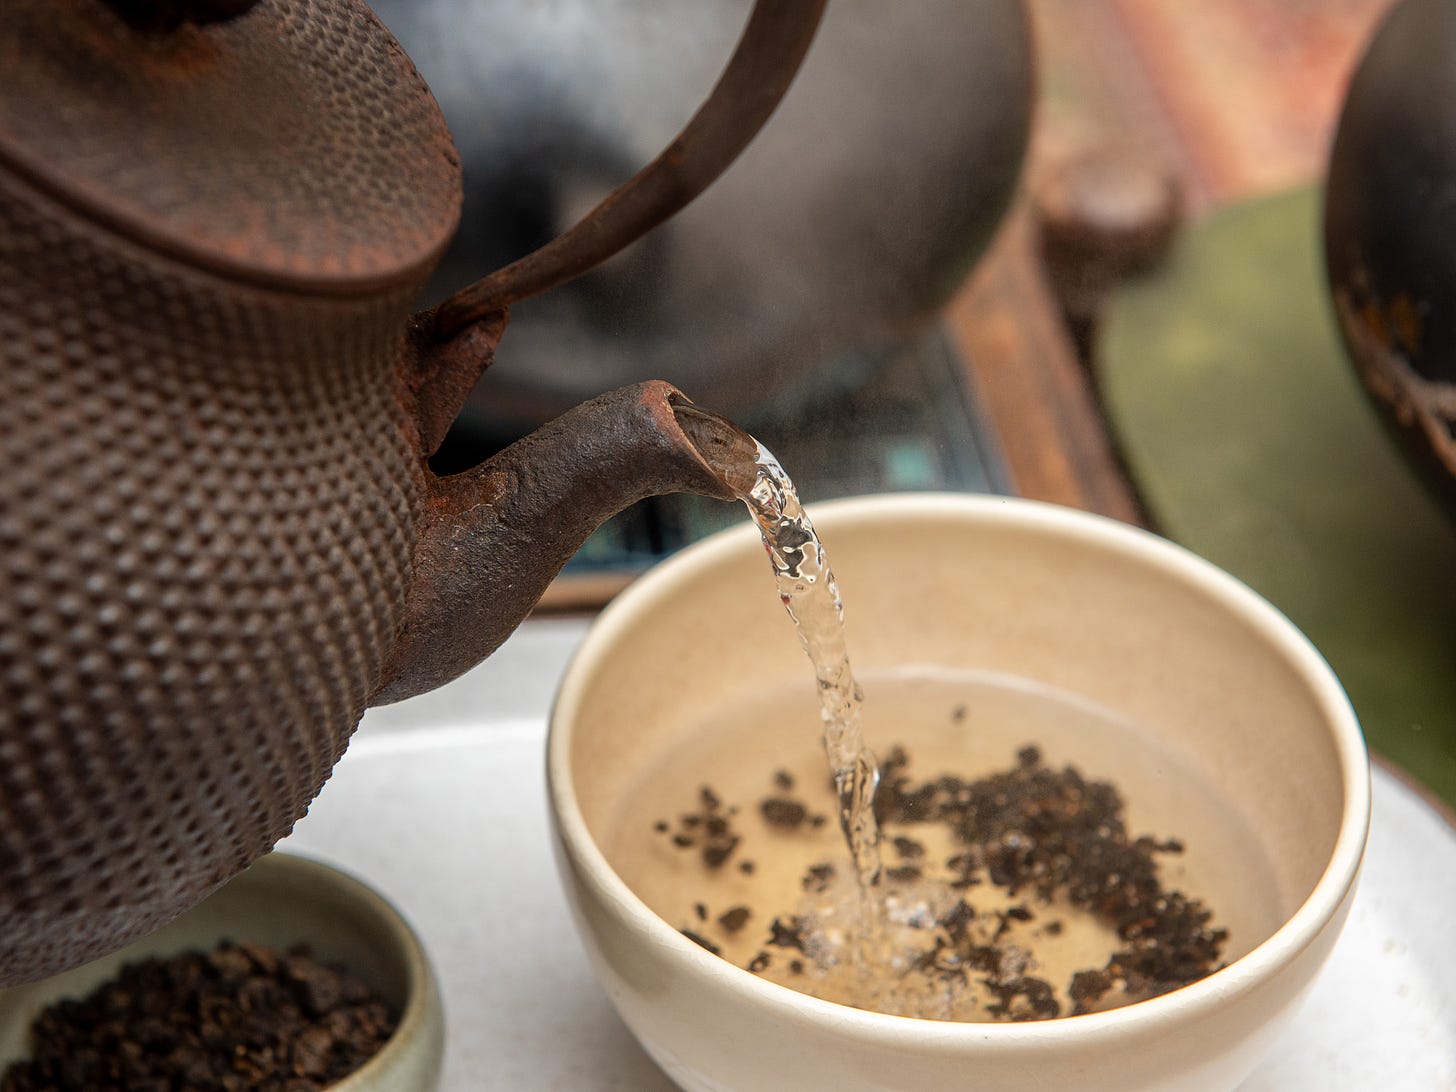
<point>219,539</point>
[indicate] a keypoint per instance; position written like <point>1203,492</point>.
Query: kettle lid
<point>295,144</point>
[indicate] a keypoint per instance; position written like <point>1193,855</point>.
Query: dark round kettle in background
<point>855,213</point>
<point>1390,232</point>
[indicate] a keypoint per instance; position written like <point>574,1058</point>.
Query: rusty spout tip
<point>729,452</point>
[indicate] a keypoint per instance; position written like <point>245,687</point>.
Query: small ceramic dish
<point>1217,692</point>
<point>281,901</point>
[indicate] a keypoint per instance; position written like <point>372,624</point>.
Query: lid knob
<point>161,15</point>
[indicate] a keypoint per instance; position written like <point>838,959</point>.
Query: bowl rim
<point>422,1003</point>
<point>1243,975</point>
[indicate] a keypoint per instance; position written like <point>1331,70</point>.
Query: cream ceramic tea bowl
<point>1218,721</point>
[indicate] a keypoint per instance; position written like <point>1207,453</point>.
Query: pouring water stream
<point>810,594</point>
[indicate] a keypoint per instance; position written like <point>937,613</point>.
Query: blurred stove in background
<point>799,295</point>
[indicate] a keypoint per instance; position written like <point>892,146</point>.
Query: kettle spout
<point>493,538</point>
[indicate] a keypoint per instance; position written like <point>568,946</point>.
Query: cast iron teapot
<point>219,540</point>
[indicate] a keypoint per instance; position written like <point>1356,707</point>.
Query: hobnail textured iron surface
<point>209,494</point>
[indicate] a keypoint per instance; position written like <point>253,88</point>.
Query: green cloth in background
<point>1249,439</point>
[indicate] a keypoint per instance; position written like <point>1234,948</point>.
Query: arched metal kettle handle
<point>763,65</point>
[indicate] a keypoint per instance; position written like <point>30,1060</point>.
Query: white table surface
<point>440,804</point>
